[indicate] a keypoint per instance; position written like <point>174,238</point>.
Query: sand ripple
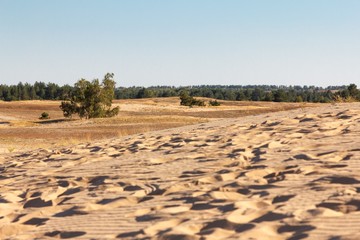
<point>288,175</point>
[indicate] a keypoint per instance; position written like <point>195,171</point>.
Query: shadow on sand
<point>53,121</point>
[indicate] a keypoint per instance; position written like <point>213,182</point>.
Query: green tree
<point>299,99</point>
<point>257,95</point>
<point>187,100</point>
<point>269,96</point>
<point>145,93</point>
<point>40,89</point>
<point>280,96</point>
<point>354,92</point>
<point>240,96</point>
<point>92,99</point>
<point>51,90</point>
<point>230,95</point>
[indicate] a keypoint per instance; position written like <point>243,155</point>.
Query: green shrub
<point>187,100</point>
<point>44,115</point>
<point>214,103</point>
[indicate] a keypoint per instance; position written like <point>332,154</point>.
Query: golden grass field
<point>21,129</point>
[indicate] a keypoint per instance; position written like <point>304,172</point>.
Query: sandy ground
<point>21,129</point>
<point>285,175</point>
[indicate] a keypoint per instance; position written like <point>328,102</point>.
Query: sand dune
<point>285,175</point>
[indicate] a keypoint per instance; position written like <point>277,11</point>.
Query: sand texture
<point>22,130</point>
<point>285,175</point>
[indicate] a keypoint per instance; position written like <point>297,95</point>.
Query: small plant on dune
<point>214,103</point>
<point>44,115</point>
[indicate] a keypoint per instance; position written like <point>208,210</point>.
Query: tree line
<point>52,91</point>
<point>36,91</point>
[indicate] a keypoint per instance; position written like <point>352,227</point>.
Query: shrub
<point>214,103</point>
<point>44,115</point>
<point>197,102</point>
<point>187,100</point>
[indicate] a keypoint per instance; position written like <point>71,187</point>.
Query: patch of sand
<point>285,175</point>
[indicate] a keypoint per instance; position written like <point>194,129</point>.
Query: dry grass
<point>20,128</point>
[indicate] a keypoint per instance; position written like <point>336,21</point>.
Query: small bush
<point>44,115</point>
<point>197,102</point>
<point>187,100</point>
<point>214,103</point>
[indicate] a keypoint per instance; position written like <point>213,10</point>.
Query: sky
<point>181,42</point>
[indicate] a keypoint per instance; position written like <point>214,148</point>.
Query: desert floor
<point>21,129</point>
<point>275,175</point>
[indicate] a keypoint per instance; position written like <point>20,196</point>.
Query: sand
<point>22,130</point>
<point>285,175</point>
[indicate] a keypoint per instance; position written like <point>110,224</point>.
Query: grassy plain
<point>21,129</point>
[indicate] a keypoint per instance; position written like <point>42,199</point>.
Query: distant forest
<point>52,91</point>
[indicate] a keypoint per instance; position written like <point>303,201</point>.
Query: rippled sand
<point>285,175</point>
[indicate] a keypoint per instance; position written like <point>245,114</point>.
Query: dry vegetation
<point>21,129</point>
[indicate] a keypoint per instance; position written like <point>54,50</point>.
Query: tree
<point>91,99</point>
<point>51,90</point>
<point>257,95</point>
<point>240,96</point>
<point>69,108</point>
<point>354,92</point>
<point>280,96</point>
<point>230,95</point>
<point>40,89</point>
<point>187,100</point>
<point>299,99</point>
<point>269,96</point>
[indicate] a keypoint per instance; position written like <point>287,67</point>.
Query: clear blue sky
<point>181,42</point>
